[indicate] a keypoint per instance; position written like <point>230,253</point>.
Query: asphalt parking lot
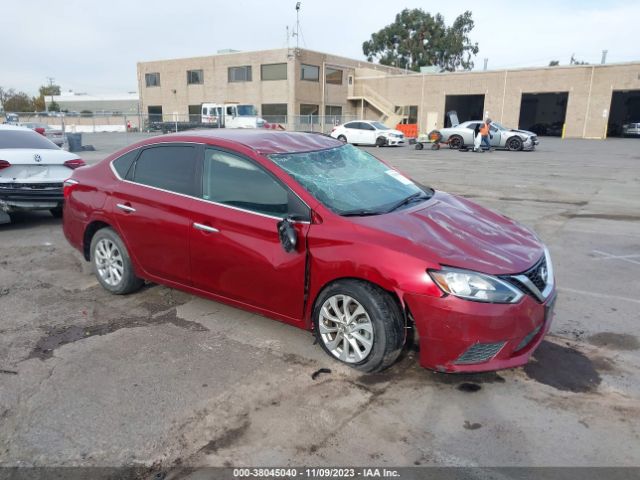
<point>168,380</point>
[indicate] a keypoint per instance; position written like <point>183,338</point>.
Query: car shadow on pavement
<point>24,220</point>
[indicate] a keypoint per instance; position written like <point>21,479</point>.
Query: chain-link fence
<point>166,123</point>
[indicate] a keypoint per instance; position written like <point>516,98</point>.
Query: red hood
<point>451,230</point>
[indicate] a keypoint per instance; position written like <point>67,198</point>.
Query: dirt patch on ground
<point>563,368</point>
<point>615,341</point>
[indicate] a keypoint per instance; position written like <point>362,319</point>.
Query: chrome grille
<point>480,352</point>
<point>538,274</point>
<point>535,280</point>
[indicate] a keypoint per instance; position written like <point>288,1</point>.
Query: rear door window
<point>168,167</point>
<point>238,182</point>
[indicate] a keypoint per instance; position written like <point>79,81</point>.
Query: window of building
<point>195,114</point>
<point>195,77</point>
<point>240,74</point>
<point>309,72</point>
<point>169,167</point>
<point>274,112</point>
<point>155,113</point>
<point>309,113</point>
<point>333,75</point>
<point>332,110</point>
<point>273,71</point>
<point>410,112</point>
<point>238,182</point>
<point>152,79</point>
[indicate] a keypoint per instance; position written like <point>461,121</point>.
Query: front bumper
<point>393,141</point>
<point>30,196</point>
<point>458,335</point>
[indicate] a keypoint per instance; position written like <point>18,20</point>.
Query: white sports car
<point>462,135</point>
<point>32,170</point>
<point>365,132</point>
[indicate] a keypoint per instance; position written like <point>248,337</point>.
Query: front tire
<point>381,142</point>
<point>514,144</point>
<point>56,212</point>
<point>112,264</point>
<point>419,146</point>
<point>359,324</point>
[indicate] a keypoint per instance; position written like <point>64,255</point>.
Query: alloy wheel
<point>109,262</point>
<point>346,329</point>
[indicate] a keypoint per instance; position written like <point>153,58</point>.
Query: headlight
<point>475,286</point>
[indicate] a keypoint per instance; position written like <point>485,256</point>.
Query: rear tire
<point>56,212</point>
<point>112,264</point>
<point>353,314</point>
<point>456,142</point>
<point>419,146</point>
<point>342,138</point>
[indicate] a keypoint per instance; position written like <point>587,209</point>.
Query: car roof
<point>263,141</point>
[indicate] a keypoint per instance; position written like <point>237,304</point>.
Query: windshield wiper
<point>361,213</point>
<point>416,196</point>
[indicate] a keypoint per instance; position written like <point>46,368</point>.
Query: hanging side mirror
<point>288,235</point>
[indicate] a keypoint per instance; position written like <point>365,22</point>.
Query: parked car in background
<point>365,132</point>
<point>462,135</point>
<point>54,134</point>
<point>318,234</point>
<point>32,169</point>
<point>631,129</point>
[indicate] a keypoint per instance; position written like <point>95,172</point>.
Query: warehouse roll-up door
<point>625,110</point>
<point>543,113</point>
<point>468,107</point>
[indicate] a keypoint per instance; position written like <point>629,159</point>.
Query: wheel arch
<point>396,294</point>
<point>89,232</point>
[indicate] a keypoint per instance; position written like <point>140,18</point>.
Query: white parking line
<point>598,295</point>
<point>624,258</point>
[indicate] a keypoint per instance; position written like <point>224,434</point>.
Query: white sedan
<point>32,170</point>
<point>365,132</point>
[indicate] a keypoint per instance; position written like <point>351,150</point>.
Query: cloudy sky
<point>92,46</point>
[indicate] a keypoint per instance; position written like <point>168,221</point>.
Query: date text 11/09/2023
<point>313,473</point>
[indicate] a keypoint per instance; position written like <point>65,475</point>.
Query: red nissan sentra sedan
<point>322,235</point>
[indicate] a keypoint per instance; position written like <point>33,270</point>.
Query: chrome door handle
<point>126,208</point>
<point>205,228</point>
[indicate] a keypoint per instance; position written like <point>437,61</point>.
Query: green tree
<point>554,63</point>
<point>54,107</point>
<point>417,38</point>
<point>48,90</point>
<point>18,102</point>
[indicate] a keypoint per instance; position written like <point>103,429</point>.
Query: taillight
<point>75,163</point>
<point>4,164</point>
<point>40,130</point>
<point>67,186</point>
<point>334,129</point>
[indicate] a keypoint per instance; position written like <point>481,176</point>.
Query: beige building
<point>583,101</point>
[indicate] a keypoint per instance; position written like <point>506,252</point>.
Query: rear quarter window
<point>123,164</point>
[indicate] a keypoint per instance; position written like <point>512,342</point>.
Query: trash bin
<point>75,142</point>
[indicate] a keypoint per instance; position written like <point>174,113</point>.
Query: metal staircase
<point>388,116</point>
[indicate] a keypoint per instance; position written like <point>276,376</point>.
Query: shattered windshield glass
<point>348,180</point>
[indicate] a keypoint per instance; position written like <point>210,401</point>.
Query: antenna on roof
<point>297,32</point>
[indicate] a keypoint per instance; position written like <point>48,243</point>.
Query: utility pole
<point>604,57</point>
<point>486,61</point>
